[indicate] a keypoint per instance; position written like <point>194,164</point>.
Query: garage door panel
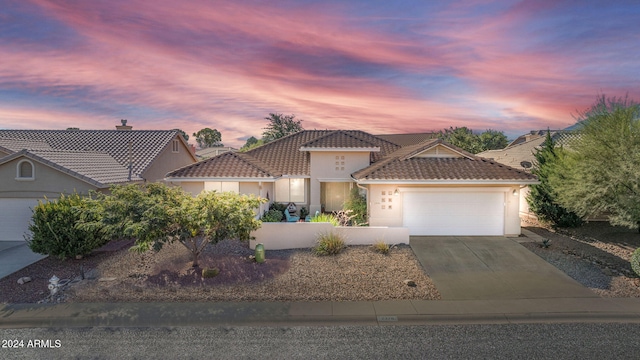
<point>454,213</point>
<point>15,215</point>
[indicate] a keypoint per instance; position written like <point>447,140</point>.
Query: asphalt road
<point>524,341</point>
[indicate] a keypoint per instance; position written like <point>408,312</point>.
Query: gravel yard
<point>596,255</point>
<point>289,275</point>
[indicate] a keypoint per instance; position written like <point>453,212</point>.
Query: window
<point>175,146</point>
<point>290,190</point>
<point>340,161</point>
<point>25,170</point>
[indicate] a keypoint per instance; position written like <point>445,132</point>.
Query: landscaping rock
<point>24,280</point>
<point>410,283</point>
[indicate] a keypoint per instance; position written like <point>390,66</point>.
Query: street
<point>506,341</point>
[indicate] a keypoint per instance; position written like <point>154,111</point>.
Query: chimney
<point>124,125</point>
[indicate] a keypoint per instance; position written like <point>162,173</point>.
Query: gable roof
<point>289,156</point>
<point>146,145</point>
<point>282,157</point>
<point>522,150</point>
<point>341,140</point>
<point>408,139</point>
<point>98,169</point>
<point>226,165</point>
<point>405,166</point>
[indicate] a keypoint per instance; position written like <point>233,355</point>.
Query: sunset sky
<point>378,66</point>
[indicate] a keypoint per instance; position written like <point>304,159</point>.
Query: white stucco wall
<point>333,166</point>
<point>279,236</point>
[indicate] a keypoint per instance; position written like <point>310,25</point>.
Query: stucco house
<point>45,163</point>
<point>427,186</point>
<point>519,154</point>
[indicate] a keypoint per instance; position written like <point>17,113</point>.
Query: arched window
<point>25,170</point>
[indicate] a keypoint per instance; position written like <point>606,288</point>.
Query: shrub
<point>635,261</point>
<point>272,216</point>
<point>381,247</point>
<point>330,218</point>
<point>357,206</point>
<point>57,227</point>
<point>210,272</point>
<point>329,244</point>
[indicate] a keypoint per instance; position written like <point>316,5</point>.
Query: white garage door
<point>15,215</point>
<point>454,213</point>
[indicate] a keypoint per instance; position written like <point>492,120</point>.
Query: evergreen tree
<point>542,200</point>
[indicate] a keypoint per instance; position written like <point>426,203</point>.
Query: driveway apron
<point>486,268</point>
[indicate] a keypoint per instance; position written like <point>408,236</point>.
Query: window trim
<point>279,198</point>
<point>19,176</point>
<point>175,146</point>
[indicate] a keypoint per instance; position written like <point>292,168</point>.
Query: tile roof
<point>15,145</point>
<point>340,139</point>
<point>408,139</point>
<point>282,156</point>
<point>146,144</point>
<point>521,151</point>
<point>99,169</point>
<point>226,165</point>
<point>403,165</point>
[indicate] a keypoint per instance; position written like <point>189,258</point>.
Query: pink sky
<point>509,66</point>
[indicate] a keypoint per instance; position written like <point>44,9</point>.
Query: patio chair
<point>290,218</point>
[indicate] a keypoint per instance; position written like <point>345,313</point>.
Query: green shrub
<point>381,247</point>
<point>356,207</point>
<point>635,261</point>
<point>277,206</point>
<point>57,227</point>
<point>272,216</point>
<point>330,218</point>
<point>329,244</point>
<point>210,272</point>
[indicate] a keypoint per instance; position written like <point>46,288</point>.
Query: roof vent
<point>124,125</point>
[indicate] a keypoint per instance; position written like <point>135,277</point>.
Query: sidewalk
<point>15,255</point>
<point>365,313</point>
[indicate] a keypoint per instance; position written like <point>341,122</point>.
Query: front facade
<point>35,164</point>
<point>430,187</point>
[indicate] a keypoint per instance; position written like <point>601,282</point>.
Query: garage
<point>454,213</point>
<point>15,215</point>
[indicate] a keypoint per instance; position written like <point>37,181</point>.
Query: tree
<point>212,217</point>
<point>251,143</point>
<point>280,126</point>
<point>208,138</point>
<point>542,199</point>
<point>493,140</point>
<point>184,134</point>
<point>601,172</point>
<point>155,214</point>
<point>461,137</point>
<point>465,139</point>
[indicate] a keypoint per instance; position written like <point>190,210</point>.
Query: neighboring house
<point>209,152</point>
<point>45,163</point>
<point>519,154</point>
<point>430,187</point>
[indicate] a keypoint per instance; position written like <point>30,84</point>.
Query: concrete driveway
<point>15,255</point>
<point>486,268</point>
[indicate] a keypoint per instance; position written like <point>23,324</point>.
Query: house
<point>45,163</point>
<point>206,153</point>
<point>519,154</point>
<point>429,187</point>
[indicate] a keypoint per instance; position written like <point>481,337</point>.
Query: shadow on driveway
<point>486,268</point>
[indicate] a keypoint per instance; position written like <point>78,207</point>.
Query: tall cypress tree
<point>541,198</point>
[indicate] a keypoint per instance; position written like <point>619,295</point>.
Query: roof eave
<point>448,182</point>
<point>341,149</point>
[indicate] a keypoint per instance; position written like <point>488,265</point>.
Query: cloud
<point>227,65</point>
